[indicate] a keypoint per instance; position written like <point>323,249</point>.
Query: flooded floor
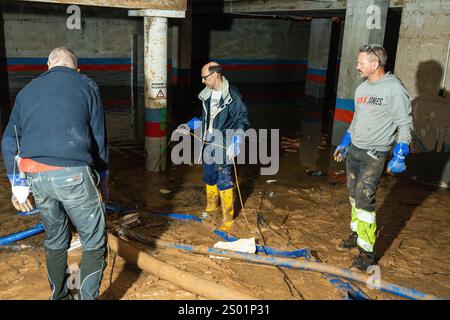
<point>298,210</point>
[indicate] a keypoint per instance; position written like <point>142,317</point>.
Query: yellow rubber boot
<point>226,200</point>
<point>212,198</point>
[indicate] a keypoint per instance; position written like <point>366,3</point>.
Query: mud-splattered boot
<point>349,243</point>
<point>212,199</point>
<point>363,260</point>
<point>227,203</point>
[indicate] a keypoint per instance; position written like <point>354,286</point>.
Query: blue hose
<point>305,252</point>
<point>348,290</point>
<point>22,234</point>
<point>352,291</point>
<point>180,216</point>
<point>33,212</point>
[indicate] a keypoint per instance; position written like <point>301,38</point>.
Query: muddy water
<point>298,210</point>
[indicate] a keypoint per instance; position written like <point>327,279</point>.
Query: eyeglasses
<point>204,77</point>
<point>367,48</point>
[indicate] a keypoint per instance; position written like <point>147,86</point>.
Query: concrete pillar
<point>155,73</point>
<point>173,72</point>
<point>365,22</point>
<point>319,45</point>
<point>185,63</point>
<point>5,105</point>
<point>155,87</point>
<point>420,64</point>
<point>175,54</point>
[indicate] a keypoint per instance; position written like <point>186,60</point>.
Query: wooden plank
<point>128,4</point>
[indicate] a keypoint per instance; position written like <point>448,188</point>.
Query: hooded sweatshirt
<point>382,114</point>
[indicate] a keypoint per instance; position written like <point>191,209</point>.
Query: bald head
<point>62,56</point>
<point>213,67</point>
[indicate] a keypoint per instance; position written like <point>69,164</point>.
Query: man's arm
<point>240,113</point>
<point>240,116</point>
<point>9,142</point>
<point>9,152</point>
<point>98,127</point>
<point>400,111</point>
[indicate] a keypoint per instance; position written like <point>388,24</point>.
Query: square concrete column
<point>319,45</point>
<point>365,22</point>
<point>421,62</point>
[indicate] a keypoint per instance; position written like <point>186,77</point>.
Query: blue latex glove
<point>233,150</point>
<point>342,149</point>
<point>194,123</point>
<point>397,163</point>
<point>184,128</point>
<point>13,177</point>
<point>20,192</point>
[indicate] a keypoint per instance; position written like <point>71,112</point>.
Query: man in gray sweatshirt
<point>382,118</point>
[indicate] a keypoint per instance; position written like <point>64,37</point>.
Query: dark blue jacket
<point>232,113</point>
<point>60,122</point>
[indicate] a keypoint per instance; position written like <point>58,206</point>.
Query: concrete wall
<point>266,57</point>
<point>103,44</point>
<point>421,54</point>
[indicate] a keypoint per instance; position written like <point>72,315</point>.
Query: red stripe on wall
<point>153,130</point>
<point>343,115</point>
<point>316,78</point>
<point>251,67</point>
<point>28,67</point>
<point>105,67</point>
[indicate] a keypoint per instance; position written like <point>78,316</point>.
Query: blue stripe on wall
<point>317,72</point>
<point>346,104</point>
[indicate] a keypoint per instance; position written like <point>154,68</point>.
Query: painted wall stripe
<point>156,115</point>
<point>261,61</point>
<point>345,104</point>
<point>155,130</point>
<point>343,115</point>
<point>316,78</point>
<point>317,72</point>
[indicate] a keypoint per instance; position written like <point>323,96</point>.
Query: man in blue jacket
<point>56,135</point>
<point>223,110</point>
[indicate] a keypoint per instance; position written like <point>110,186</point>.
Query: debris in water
<point>205,215</point>
<point>315,173</point>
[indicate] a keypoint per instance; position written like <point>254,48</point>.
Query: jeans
<point>364,170</point>
<point>218,174</point>
<point>69,193</point>
<point>363,174</point>
<point>60,195</point>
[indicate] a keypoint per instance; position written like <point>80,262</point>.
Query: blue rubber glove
<point>233,150</point>
<point>342,149</point>
<point>397,163</point>
<point>194,123</point>
<point>20,192</point>
<point>184,128</point>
